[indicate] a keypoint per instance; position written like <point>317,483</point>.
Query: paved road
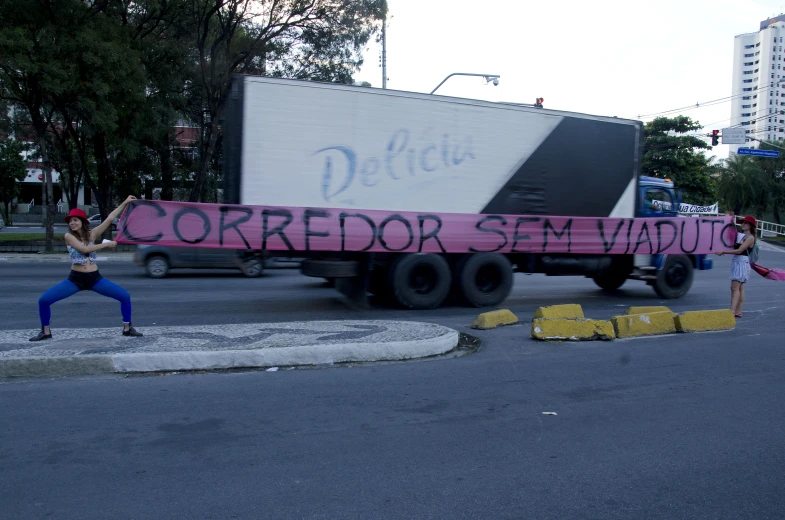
<point>218,297</point>
<point>678,427</point>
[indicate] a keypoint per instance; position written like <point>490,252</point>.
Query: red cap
<point>76,213</point>
<point>751,221</point>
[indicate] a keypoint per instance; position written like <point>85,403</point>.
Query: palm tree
<point>742,185</point>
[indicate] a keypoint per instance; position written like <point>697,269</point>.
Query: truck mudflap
<point>703,262</point>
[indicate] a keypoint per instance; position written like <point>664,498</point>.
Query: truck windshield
<point>657,199</point>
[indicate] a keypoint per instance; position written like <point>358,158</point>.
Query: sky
<point>608,57</point>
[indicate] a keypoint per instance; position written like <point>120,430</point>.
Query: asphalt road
<point>676,427</point>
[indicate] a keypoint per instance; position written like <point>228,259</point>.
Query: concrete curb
<point>569,311</point>
<point>643,324</point>
<point>566,323</point>
<point>705,321</point>
<point>571,330</point>
<point>294,355</point>
<point>56,367</point>
<point>493,319</point>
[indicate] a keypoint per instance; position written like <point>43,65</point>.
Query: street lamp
<point>489,78</point>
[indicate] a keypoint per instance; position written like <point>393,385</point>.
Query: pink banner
<point>321,229</point>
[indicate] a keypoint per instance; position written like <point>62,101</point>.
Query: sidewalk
<point>209,347</point>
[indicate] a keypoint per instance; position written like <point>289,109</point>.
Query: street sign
<point>733,136</point>
<point>758,153</point>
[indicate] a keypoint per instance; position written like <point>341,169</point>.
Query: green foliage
<point>13,169</point>
<point>670,152</point>
<point>753,184</point>
<point>103,84</point>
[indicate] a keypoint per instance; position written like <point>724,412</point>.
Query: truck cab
<point>670,275</point>
<point>657,198</point>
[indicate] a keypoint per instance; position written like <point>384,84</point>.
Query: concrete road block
<point>649,324</point>
<point>646,310</point>
<point>703,321</point>
<point>569,311</point>
<point>493,319</point>
<point>571,330</point>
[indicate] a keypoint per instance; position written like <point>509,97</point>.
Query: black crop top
<point>737,245</point>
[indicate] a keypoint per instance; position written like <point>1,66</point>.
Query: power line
<point>718,101</point>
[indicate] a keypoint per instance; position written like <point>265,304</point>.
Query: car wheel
<point>157,266</point>
<point>253,267</point>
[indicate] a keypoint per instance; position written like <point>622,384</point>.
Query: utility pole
<point>384,52</point>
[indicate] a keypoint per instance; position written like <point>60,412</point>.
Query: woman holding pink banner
<point>84,274</point>
<point>740,265</point>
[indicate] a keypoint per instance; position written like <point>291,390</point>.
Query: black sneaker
<point>131,331</point>
<point>41,336</point>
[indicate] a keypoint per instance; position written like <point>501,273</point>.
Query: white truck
<point>316,145</point>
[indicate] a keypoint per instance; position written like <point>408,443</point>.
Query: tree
<point>29,66</point>
<point>305,39</point>
<point>753,184</point>
<point>670,152</point>
<point>13,170</point>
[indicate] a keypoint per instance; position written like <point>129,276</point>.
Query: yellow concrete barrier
<point>570,311</point>
<point>649,324</point>
<point>492,319</point>
<point>703,321</point>
<point>571,329</point>
<point>646,310</point>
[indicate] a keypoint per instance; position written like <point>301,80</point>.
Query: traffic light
<point>538,102</point>
<point>715,137</point>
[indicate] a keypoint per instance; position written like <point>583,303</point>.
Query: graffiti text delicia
<point>402,156</point>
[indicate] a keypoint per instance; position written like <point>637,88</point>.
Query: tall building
<point>758,94</point>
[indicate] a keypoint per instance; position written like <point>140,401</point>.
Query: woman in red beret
<point>740,265</point>
<point>80,241</point>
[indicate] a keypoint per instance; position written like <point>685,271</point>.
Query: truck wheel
<point>379,282</point>
<point>675,278</point>
<point>613,277</point>
<point>157,266</point>
<point>484,279</point>
<point>420,281</point>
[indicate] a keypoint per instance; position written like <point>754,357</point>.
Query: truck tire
<point>614,277</point>
<point>330,268</point>
<point>420,281</point>
<point>675,278</point>
<point>157,266</point>
<point>378,284</point>
<point>484,279</point>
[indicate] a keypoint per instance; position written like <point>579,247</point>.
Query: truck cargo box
<point>309,144</point>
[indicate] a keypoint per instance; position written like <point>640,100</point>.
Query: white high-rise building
<point>758,94</point>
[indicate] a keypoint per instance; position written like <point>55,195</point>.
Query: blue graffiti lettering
<point>327,177</point>
<point>341,162</point>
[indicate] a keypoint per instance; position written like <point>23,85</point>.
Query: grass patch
<point>778,238</point>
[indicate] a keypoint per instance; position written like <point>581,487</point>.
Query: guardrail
<point>769,228</point>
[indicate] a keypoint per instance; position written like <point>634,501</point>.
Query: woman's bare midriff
<point>88,268</point>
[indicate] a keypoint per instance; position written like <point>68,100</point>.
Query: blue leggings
<point>67,288</point>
